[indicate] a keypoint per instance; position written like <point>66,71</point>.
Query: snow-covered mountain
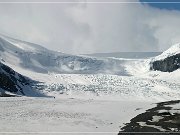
<point>41,60</point>
<point>13,82</point>
<point>88,77</point>
<point>173,50</point>
<point>168,61</point>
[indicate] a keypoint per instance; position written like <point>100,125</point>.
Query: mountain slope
<point>168,61</point>
<point>13,82</point>
<point>38,59</point>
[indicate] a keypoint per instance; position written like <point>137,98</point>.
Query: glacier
<point>81,76</point>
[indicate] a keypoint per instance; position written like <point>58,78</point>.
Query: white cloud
<point>89,28</point>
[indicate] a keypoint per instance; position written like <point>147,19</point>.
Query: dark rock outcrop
<point>7,95</point>
<point>168,64</point>
<point>158,120</point>
<point>12,81</point>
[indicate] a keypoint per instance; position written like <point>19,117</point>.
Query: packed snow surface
<point>66,116</point>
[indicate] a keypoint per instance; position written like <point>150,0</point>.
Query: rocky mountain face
<point>168,64</point>
<point>12,81</point>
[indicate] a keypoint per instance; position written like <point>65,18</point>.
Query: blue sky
<point>175,5</point>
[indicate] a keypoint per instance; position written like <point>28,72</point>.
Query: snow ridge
<point>175,49</point>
